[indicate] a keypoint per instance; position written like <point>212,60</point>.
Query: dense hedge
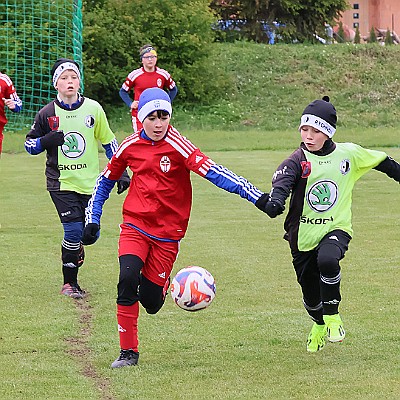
<point>181,31</point>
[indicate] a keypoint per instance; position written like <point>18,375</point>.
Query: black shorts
<point>306,262</point>
<point>70,206</point>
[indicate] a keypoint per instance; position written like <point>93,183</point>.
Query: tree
<point>340,35</point>
<point>301,18</point>
<point>388,37</point>
<point>372,36</point>
<point>357,37</point>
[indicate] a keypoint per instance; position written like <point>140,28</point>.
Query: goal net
<point>33,35</point>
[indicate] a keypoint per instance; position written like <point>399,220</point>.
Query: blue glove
<point>91,232</point>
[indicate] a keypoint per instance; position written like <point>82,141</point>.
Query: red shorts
<point>158,256</point>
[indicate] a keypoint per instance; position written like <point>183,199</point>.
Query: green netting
<point>33,34</point>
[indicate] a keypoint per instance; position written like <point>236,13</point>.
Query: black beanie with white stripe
<point>321,115</point>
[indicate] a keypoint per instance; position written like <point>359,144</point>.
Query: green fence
<point>33,34</point>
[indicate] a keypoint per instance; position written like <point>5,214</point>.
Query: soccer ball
<point>193,288</point>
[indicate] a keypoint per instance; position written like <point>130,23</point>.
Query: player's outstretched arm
<point>390,167</point>
<point>94,210</point>
<point>225,179</point>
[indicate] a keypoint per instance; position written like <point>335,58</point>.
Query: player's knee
<point>129,279</point>
<point>73,231</point>
<point>328,266</point>
<point>72,251</point>
<point>151,296</point>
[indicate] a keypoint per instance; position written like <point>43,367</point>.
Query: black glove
<point>262,201</point>
<point>123,182</point>
<point>91,232</point>
<point>52,139</point>
<point>274,207</point>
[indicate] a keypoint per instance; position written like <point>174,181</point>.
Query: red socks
<point>127,317</point>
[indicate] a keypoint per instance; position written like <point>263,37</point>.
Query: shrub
<point>388,37</point>
<point>180,30</point>
<point>357,37</point>
<point>340,36</point>
<point>372,36</point>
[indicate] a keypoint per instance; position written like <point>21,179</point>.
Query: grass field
<point>250,343</point>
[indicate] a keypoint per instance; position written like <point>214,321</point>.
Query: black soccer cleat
<point>126,358</point>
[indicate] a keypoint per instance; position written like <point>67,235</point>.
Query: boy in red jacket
<point>9,98</point>
<point>156,211</point>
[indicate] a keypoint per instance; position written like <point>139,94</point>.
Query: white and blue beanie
<point>61,65</point>
<point>153,99</point>
<point>321,115</point>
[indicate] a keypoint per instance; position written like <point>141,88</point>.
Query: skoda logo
<point>74,145</point>
<point>322,195</point>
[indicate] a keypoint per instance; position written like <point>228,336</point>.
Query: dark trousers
<point>318,273</point>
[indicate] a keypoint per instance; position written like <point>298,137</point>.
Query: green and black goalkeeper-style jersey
<point>321,185</point>
<point>74,166</point>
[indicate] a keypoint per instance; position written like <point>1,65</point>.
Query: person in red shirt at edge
<point>155,213</point>
<point>9,98</point>
<point>148,76</point>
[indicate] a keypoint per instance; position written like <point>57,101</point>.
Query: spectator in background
<point>9,98</point>
<point>329,33</point>
<point>148,76</point>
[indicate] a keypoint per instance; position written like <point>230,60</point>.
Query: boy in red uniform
<point>148,76</point>
<point>9,98</point>
<point>156,211</point>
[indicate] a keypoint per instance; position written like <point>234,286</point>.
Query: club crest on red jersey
<point>305,169</point>
<point>165,164</point>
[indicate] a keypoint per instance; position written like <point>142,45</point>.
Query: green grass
<point>269,87</point>
<point>249,344</point>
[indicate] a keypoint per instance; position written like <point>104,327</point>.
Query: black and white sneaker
<point>126,358</point>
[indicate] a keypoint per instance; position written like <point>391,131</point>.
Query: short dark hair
<point>161,113</point>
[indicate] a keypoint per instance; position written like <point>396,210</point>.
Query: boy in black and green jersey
<point>320,176</point>
<point>69,129</point>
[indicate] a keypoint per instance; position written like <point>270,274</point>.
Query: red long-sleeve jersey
<point>139,80</point>
<point>160,196</point>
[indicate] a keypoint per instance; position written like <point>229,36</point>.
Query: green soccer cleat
<point>334,328</point>
<point>316,338</point>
